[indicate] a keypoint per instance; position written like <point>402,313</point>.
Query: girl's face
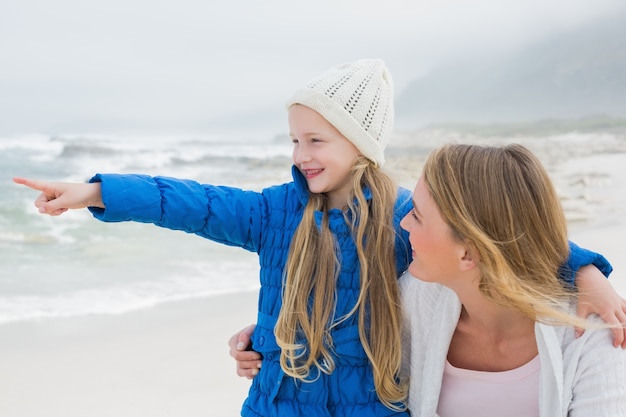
<point>437,256</point>
<point>323,155</point>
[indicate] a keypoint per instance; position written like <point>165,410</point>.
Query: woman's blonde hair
<point>500,201</point>
<point>307,316</point>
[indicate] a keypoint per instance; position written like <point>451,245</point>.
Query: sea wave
<point>121,297</point>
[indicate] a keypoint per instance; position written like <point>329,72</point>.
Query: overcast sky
<point>179,66</point>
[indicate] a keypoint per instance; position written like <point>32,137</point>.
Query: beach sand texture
<point>168,360</point>
<point>172,359</point>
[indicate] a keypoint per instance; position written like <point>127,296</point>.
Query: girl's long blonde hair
<point>307,316</point>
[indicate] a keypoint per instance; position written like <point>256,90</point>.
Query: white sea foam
<point>120,297</point>
<point>35,143</point>
<point>88,302</point>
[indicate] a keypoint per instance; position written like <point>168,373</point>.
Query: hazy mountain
<point>574,74</point>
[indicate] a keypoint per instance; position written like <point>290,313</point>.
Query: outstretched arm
<point>248,361</point>
<point>58,197</point>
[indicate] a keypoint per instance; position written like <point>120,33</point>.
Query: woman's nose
<point>403,222</point>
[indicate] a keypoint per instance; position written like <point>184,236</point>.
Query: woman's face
<point>437,255</point>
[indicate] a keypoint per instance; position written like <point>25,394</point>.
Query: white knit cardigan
<point>579,377</point>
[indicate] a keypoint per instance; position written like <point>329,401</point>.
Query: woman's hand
<point>597,295</point>
<point>58,197</point>
<point>248,361</point>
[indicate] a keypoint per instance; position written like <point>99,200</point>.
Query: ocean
<point>74,265</point>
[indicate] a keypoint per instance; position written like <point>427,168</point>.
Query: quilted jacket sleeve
<point>224,214</point>
<point>579,257</point>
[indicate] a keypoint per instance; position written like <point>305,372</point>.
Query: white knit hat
<point>356,98</point>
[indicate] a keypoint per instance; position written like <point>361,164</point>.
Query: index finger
<point>34,184</point>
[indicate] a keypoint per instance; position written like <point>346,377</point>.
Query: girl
<point>329,244</point>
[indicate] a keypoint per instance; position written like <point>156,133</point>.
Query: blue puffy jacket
<point>264,222</point>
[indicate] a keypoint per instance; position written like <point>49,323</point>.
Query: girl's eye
<point>414,215</point>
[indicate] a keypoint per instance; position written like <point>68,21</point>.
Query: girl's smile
<point>311,173</point>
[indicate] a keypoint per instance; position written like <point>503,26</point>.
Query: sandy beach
<point>169,360</point>
<point>172,359</point>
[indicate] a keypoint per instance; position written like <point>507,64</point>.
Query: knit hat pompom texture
<point>356,98</point>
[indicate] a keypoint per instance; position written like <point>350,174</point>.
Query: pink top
<point>466,393</point>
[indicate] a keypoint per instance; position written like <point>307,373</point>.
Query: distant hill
<point>575,74</point>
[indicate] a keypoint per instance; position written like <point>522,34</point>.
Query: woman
<point>491,325</point>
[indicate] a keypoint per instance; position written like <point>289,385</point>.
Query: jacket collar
<point>302,189</point>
